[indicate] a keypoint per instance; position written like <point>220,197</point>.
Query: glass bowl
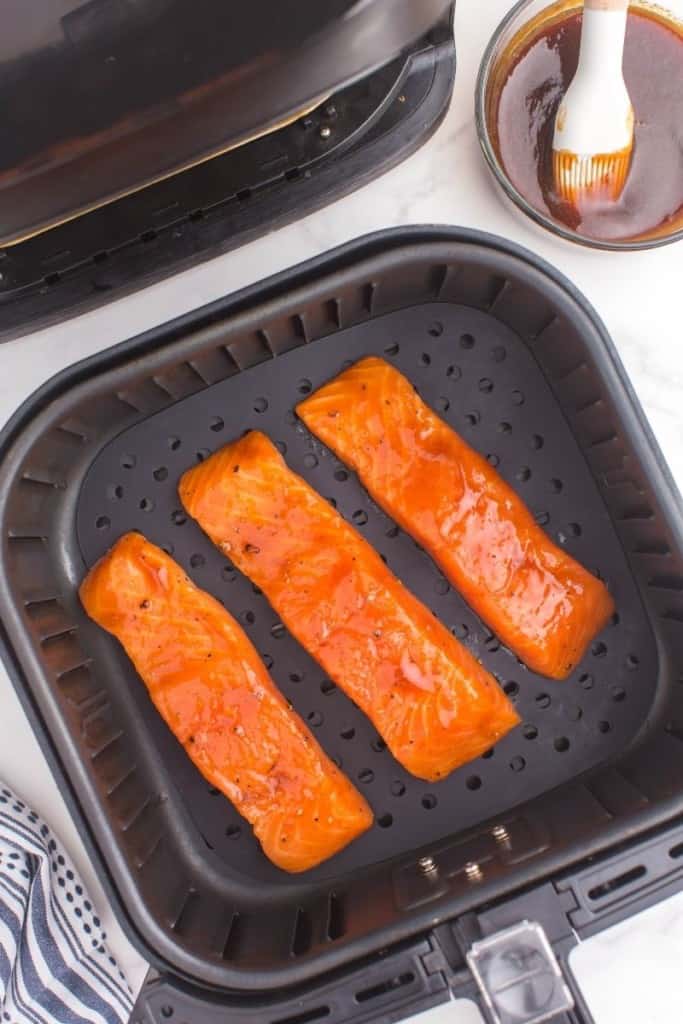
<point>524,20</point>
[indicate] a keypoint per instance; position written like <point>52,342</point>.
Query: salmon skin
<point>431,701</point>
<point>538,600</point>
<point>213,691</point>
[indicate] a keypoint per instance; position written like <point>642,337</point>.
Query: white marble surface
<point>632,974</point>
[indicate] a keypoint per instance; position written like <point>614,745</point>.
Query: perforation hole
<point>128,461</point>
<point>425,359</point>
<point>486,385</point>
<point>281,447</point>
<point>512,689</point>
<point>267,661</point>
<point>518,763</point>
<point>277,631</point>
<point>429,801</point>
<point>442,404</point>
<point>314,718</point>
<point>228,574</point>
<point>574,712</point>
<point>632,662</point>
<point>327,687</point>
<point>460,631</point>
<point>341,476</point>
<point>103,522</point>
<point>115,492</point>
<point>392,532</point>
<point>599,649</point>
<point>216,423</point>
<point>575,529</point>
<point>174,443</point>
<point>436,329</point>
<point>561,744</point>
<point>233,831</point>
<point>304,387</point>
<point>537,442</point>
<point>385,820</point>
<point>604,727</point>
<point>556,485</point>
<point>260,405</point>
<point>178,517</point>
<point>586,681</point>
<point>360,517</point>
<point>492,644</point>
<point>398,788</point>
<point>542,518</point>
<point>523,474</point>
<point>378,745</point>
<point>202,454</point>
<point>347,733</point>
<point>197,561</point>
<point>310,460</point>
<point>472,418</point>
<point>160,474</point>
<point>618,694</point>
<point>441,587</point>
<point>543,701</point>
<point>248,617</point>
<point>366,776</point>
<point>467,341</point>
<point>454,372</point>
<point>146,505</point>
<point>493,460</point>
<point>517,398</point>
<point>473,782</point>
<point>504,427</point>
<point>488,754</point>
<point>391,350</point>
<point>530,732</point>
<point>615,620</point>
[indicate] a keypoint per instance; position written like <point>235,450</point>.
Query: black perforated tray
<point>514,359</point>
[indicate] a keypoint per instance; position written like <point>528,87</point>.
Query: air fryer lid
<point>113,94</point>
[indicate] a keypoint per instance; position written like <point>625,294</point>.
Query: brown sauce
<point>533,77</point>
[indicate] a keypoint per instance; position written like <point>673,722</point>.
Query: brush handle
<point>603,32</point>
<point>606,5</point>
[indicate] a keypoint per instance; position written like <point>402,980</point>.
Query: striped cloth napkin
<point>55,967</point>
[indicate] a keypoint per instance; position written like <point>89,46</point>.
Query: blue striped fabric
<point>55,967</point>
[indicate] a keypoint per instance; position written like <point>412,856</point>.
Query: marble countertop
<point>631,975</point>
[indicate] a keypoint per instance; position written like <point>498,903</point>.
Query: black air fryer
<point>141,136</point>
<point>157,133</point>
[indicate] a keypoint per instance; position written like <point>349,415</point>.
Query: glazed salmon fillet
<point>213,691</point>
<point>541,603</point>
<point>431,701</point>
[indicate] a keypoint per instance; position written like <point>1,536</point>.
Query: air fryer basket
<point>515,359</point>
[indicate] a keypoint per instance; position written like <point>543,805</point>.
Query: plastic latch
<point>518,975</point>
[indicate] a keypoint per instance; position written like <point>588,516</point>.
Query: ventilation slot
<point>233,939</point>
<point>303,933</point>
<point>618,882</point>
<point>676,851</point>
<point>336,918</point>
<point>391,985</point>
<point>333,309</point>
<point>317,1013</point>
<point>184,914</point>
<point>437,278</point>
<point>666,582</point>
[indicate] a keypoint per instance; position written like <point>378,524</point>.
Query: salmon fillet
<point>213,691</point>
<point>539,601</point>
<point>432,702</point>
